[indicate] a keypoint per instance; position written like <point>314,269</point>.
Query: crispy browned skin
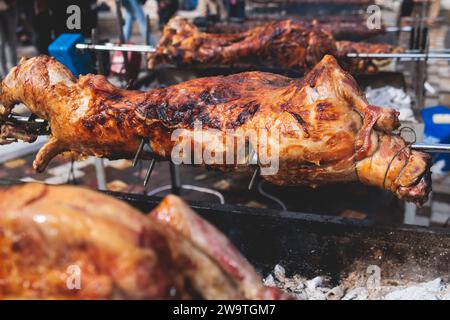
<point>291,45</point>
<point>327,131</point>
<point>121,254</point>
<point>363,65</point>
<point>278,44</point>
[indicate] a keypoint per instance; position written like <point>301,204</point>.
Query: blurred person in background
<point>8,35</point>
<point>434,10</point>
<point>42,25</point>
<point>236,9</point>
<point>411,10</point>
<point>49,20</point>
<point>205,11</point>
<point>134,12</point>
<point>25,29</point>
<point>59,16</point>
<point>168,8</point>
<point>189,4</point>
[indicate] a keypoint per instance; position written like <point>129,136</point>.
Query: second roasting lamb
<point>290,45</point>
<point>327,131</point>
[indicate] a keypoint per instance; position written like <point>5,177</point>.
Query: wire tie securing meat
<point>407,145</point>
<point>271,197</point>
<point>32,117</point>
<point>187,187</point>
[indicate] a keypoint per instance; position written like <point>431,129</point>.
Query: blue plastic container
<point>437,130</point>
<point>63,49</point>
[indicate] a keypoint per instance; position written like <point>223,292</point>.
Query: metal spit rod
<point>26,119</point>
<point>397,29</point>
<point>426,147</point>
<point>438,55</point>
<point>115,47</point>
<point>432,147</point>
<point>415,56</point>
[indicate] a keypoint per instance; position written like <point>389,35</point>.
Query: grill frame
<point>317,245</point>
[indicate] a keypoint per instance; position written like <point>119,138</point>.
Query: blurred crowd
<point>39,22</point>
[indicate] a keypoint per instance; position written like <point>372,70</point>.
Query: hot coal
<point>356,286</point>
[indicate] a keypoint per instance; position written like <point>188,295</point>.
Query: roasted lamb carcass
<point>65,242</point>
<point>315,130</point>
<point>278,44</point>
<point>290,45</point>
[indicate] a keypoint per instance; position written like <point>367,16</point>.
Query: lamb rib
<point>327,131</point>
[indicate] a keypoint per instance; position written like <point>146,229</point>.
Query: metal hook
<point>253,179</point>
<point>175,178</point>
<point>138,152</point>
<point>256,172</point>
<point>149,172</point>
<point>144,146</point>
